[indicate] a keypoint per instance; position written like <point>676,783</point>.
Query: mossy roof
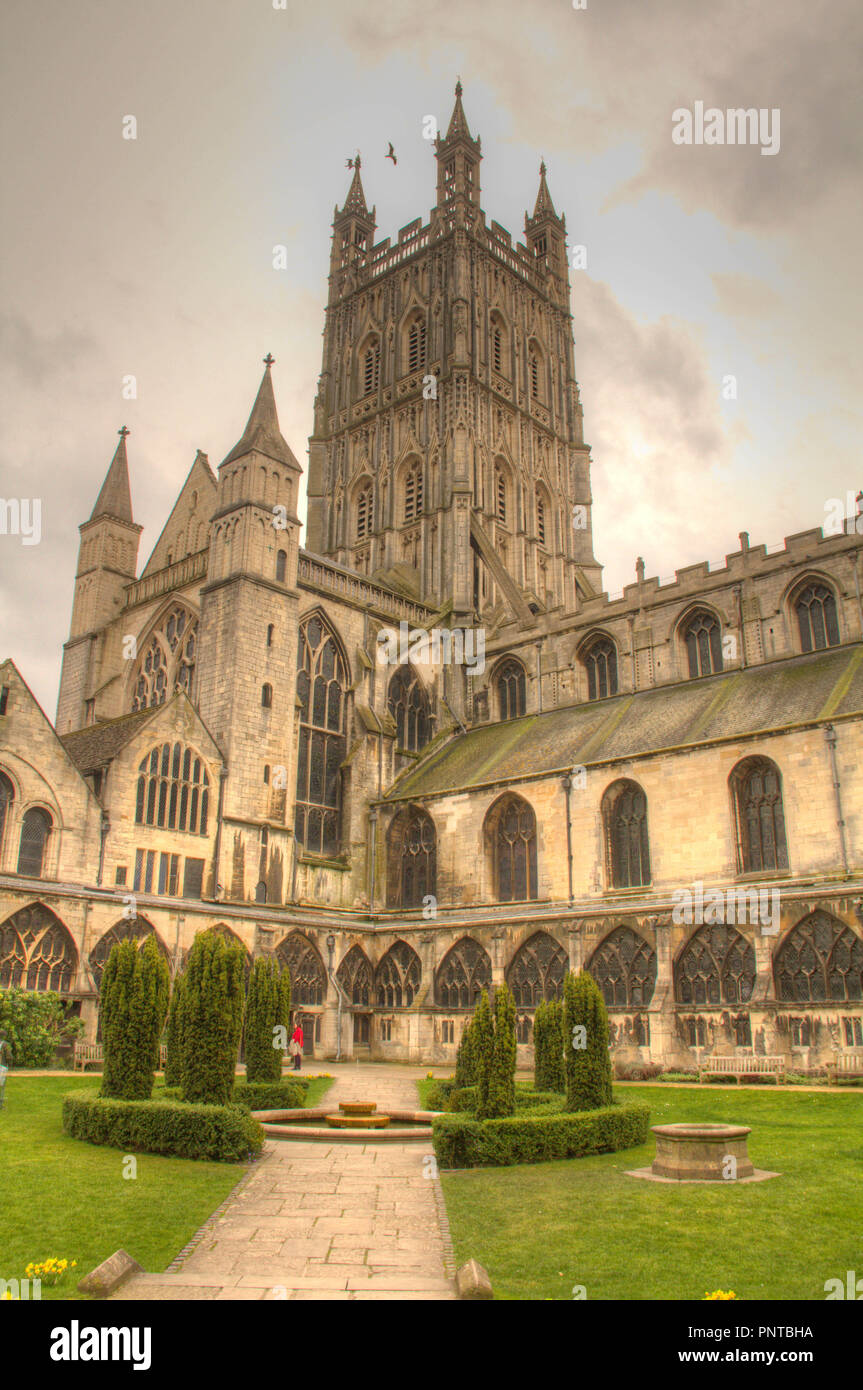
<point>94,746</point>
<point>761,699</point>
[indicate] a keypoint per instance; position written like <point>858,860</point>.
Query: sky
<point>153,257</point>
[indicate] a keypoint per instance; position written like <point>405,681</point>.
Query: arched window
<point>624,807</point>
<point>500,492</point>
<point>498,344</point>
<point>511,689</point>
<point>463,974</point>
<point>815,606</point>
<point>756,786</point>
<point>168,662</point>
<point>35,831</point>
<point>270,631</point>
<point>267,696</point>
<point>321,683</point>
<point>7,796</point>
<point>600,662</point>
<point>365,498</point>
<point>36,951</point>
<point>371,366</point>
<point>129,929</point>
<point>536,971</point>
<point>355,977</point>
<point>413,491</point>
<point>702,636</point>
<point>511,829</point>
<point>398,976</point>
<point>624,967</point>
<point>408,704</point>
<point>416,343</point>
<point>411,858</point>
<point>716,966</point>
<point>308,977</point>
<point>281,562</point>
<point>820,961</point>
<point>173,789</point>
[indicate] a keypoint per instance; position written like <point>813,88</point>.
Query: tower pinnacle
<point>115,498</point>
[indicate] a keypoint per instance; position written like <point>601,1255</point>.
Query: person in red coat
<point>297,1046</point>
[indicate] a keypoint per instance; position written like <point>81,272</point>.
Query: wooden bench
<point>742,1066</point>
<point>87,1052</point>
<point>849,1063</point>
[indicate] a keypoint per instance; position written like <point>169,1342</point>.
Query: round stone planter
<point>701,1152</point>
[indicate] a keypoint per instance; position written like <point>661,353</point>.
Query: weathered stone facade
<point>231,749</point>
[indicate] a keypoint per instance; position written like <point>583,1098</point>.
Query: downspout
<point>830,735</point>
<point>217,847</point>
<point>738,593</point>
<point>339,995</point>
<point>567,787</point>
<point>373,836</point>
<point>104,829</point>
<point>539,675</point>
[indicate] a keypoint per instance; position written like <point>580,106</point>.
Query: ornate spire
<point>458,126</point>
<point>543,197</point>
<point>262,433</point>
<point>115,498</point>
<point>356,199</point>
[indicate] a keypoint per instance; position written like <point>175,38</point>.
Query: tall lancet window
<point>321,684</point>
<point>371,366</point>
<point>416,343</point>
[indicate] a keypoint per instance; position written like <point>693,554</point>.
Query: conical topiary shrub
<point>540,1046</point>
<point>212,1018</point>
<point>554,1046</point>
<point>174,1064</point>
<point>133,1000</point>
<point>465,1062</point>
<point>501,1089</point>
<point>585,1036</point>
<point>482,1044</point>
<point>265,1013</point>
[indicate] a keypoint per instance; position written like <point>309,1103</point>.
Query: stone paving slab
<point>324,1221</point>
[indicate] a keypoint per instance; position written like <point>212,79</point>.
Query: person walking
<point>296,1048</point>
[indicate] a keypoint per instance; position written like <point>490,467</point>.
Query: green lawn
<point>62,1197</point>
<point>541,1229</point>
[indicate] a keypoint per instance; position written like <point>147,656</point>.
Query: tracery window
<point>321,686</point>
<point>364,511</point>
<point>129,929</point>
<point>355,977</point>
<point>533,370</point>
<point>7,796</point>
<point>511,826</point>
<point>717,966</point>
<point>498,340</point>
<point>536,971</point>
<point>416,344</point>
<point>540,518</point>
<point>500,495</point>
<point>371,366</point>
<point>408,704</point>
<point>168,663</point>
<point>600,663</point>
<point>463,974</point>
<point>820,959</point>
<point>624,967</point>
<point>411,858</point>
<point>626,839</point>
<point>173,789</point>
<point>511,689</point>
<point>281,562</point>
<point>36,951</point>
<point>398,977</point>
<point>760,820</point>
<point>308,977</point>
<point>816,617</point>
<point>703,639</point>
<point>413,491</point>
<point>35,831</point>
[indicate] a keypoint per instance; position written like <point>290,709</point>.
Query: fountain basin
<point>361,1121</point>
<point>312,1126</point>
<point>702,1152</point>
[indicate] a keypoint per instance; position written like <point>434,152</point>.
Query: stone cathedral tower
<point>448,456</point>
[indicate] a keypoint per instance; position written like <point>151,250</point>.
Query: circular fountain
<point>355,1121</point>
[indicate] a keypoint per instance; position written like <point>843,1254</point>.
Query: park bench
<point>87,1052</point>
<point>849,1063</point>
<point>742,1066</point>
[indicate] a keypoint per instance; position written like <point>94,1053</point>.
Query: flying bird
<point>391,154</point>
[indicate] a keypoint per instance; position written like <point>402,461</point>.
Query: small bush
<point>258,1095</point>
<point>463,1142</point>
<point>33,1026</point>
<point>438,1095</point>
<point>223,1132</point>
<point>636,1071</point>
<point>465,1059</point>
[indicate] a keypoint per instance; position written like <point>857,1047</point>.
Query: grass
<point>541,1229</point>
<point>69,1199</point>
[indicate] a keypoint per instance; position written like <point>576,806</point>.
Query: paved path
<point>324,1221</point>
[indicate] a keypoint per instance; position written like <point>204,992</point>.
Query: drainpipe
<point>738,594</point>
<point>539,675</point>
<point>830,735</point>
<point>217,847</point>
<point>373,836</point>
<point>331,946</point>
<point>567,787</point>
<point>104,829</point>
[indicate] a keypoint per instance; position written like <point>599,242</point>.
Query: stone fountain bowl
<point>315,1126</point>
<point>702,1152</point>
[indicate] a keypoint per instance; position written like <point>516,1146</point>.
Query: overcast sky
<point>153,257</point>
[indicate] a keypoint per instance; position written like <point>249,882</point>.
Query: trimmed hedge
<point>223,1132</point>
<point>465,1098</point>
<point>438,1095</point>
<point>463,1142</point>
<point>259,1095</point>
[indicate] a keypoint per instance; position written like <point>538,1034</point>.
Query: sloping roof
<point>94,747</point>
<point>262,432</point>
<point>761,699</point>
